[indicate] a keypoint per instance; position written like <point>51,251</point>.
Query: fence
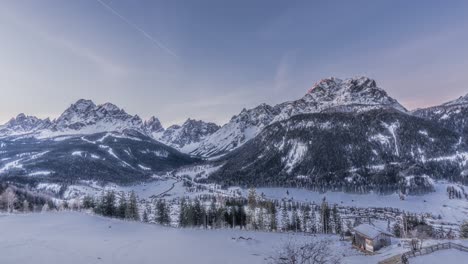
<point>428,250</point>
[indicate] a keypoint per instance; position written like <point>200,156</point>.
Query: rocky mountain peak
<point>153,125</point>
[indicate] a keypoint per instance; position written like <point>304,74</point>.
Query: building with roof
<point>370,238</point>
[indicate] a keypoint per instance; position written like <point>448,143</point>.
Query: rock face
<point>186,136</point>
<point>86,117</point>
<point>22,124</point>
<point>328,95</point>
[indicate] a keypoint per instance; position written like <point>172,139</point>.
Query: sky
<point>209,59</point>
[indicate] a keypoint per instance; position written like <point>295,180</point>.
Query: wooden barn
<point>370,238</point>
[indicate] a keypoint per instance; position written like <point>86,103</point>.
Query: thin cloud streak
<point>144,33</point>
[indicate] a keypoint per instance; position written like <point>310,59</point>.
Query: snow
<point>448,256</point>
<point>392,128</point>
<point>77,153</point>
<point>53,187</point>
<point>369,230</point>
<point>77,238</point>
<point>383,140</point>
<point>40,173</point>
<point>143,167</point>
<point>295,155</point>
<point>11,165</point>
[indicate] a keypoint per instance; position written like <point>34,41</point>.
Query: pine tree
<point>183,213</point>
<point>397,230</point>
<point>145,216</point>
<point>132,208</point>
<point>122,207</point>
<point>284,218</point>
<point>337,220</point>
<point>306,218</point>
<point>464,230</point>
<point>313,220</point>
<point>88,202</point>
<point>252,199</point>
<point>295,221</point>
<point>197,213</point>
<point>325,217</point>
<point>107,205</point>
<point>273,222</point>
<point>162,213</point>
<point>260,220</point>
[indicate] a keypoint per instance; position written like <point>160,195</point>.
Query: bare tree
<point>308,253</point>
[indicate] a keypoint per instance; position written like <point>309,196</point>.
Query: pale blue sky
<point>209,59</point>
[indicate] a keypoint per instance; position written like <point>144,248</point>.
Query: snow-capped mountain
<point>153,125</point>
<point>333,94</point>
<point>237,131</point>
<point>85,117</point>
<point>22,124</point>
<point>185,137</point>
<point>452,114</point>
<point>380,149</point>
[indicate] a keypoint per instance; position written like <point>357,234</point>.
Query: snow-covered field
<point>69,237</point>
<point>442,257</point>
<point>75,238</point>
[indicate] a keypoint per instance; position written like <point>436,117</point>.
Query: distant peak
<point>333,82</point>
<point>110,107</point>
<point>83,104</point>
<point>324,84</point>
<point>21,116</point>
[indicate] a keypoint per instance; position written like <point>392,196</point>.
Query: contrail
<point>145,34</point>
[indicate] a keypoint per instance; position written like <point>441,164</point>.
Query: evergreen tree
<point>145,216</point>
<point>397,230</point>
<point>306,218</point>
<point>337,220</point>
<point>464,230</point>
<point>162,213</point>
<point>295,220</point>
<point>183,213</point>
<point>313,220</point>
<point>325,217</point>
<point>284,218</point>
<point>273,226</point>
<point>107,205</point>
<point>88,202</point>
<point>260,219</point>
<point>122,207</point>
<point>132,208</point>
<point>252,199</point>
<point>198,213</point>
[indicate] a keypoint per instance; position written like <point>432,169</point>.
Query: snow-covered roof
<point>370,231</point>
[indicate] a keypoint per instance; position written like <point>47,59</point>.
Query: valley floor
<point>71,237</point>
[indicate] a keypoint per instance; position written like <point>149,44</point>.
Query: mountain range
<point>342,134</point>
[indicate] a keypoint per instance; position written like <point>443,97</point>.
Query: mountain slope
<point>382,149</point>
<point>105,157</point>
<point>453,114</point>
<point>329,95</point>
<point>185,137</point>
<point>23,124</point>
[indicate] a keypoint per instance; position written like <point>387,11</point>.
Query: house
<point>370,238</point>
